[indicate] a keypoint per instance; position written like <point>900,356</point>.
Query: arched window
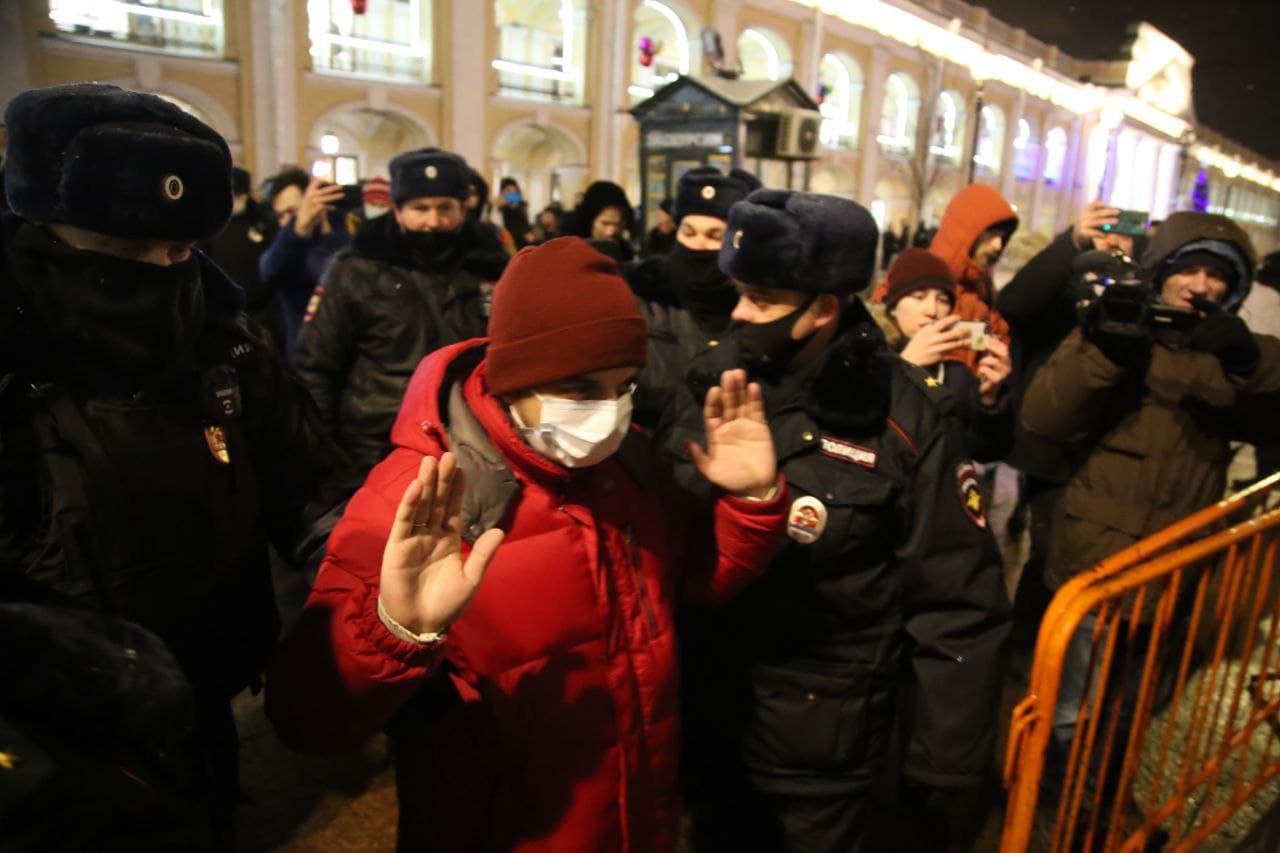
<point>840,80</point>
<point>672,34</point>
<point>388,40</point>
<point>1055,156</point>
<point>542,47</point>
<point>947,139</point>
<point>1026,152</point>
<point>175,26</point>
<point>900,114</point>
<point>763,56</point>
<point>991,129</point>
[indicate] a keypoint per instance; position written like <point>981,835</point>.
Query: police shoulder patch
<point>313,305</point>
<point>972,501</point>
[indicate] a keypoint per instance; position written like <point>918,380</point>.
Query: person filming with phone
<point>918,320</point>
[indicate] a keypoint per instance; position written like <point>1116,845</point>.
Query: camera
<point>1116,297</point>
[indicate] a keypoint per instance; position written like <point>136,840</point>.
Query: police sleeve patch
<point>313,305</point>
<point>972,500</point>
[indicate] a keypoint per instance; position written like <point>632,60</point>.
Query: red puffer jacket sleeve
<point>340,675</point>
<point>726,556</point>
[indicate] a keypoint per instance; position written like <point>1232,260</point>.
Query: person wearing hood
<point>479,208</point>
<point>918,321</point>
<point>237,249</point>
<point>974,232</point>
<point>151,445</point>
<point>1039,303</point>
<point>1149,414</point>
<point>889,578</point>
<point>685,298</point>
<point>412,282</point>
<point>501,592</point>
<point>605,215</point>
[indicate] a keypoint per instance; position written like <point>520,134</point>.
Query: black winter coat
<point>157,501</point>
<point>236,249</point>
<point>891,580</point>
<point>378,313</point>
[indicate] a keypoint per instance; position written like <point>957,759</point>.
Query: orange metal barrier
<point>1183,625</point>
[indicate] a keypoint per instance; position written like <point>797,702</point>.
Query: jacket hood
<point>1187,231</point>
<point>974,209</point>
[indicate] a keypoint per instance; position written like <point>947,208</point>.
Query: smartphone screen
<point>1131,222</point>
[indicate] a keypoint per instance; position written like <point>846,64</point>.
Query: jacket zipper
<point>637,579</point>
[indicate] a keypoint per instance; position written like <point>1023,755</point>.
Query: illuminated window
<point>900,114</point>
<point>841,82</point>
<point>541,49</point>
<point>668,33</point>
<point>174,26</point>
<point>1055,156</point>
<point>947,139</point>
<point>1096,160</point>
<point>763,56</point>
<point>388,40</point>
<point>991,130</point>
<point>1026,152</point>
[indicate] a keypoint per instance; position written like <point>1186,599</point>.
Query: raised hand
<point>993,369</point>
<point>739,457</point>
<point>1088,227</point>
<point>425,583</point>
<point>933,341</point>
<point>320,197</point>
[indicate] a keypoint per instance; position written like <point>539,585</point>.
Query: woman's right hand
<point>933,341</point>
<point>425,583</point>
<point>319,198</point>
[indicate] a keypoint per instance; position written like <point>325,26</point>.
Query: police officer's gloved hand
<point>1125,345</point>
<point>1227,337</point>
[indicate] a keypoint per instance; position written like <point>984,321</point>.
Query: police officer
<point>684,297</point>
<point>886,604</point>
<point>150,447</point>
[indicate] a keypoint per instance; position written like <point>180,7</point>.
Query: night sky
<point>1236,45</point>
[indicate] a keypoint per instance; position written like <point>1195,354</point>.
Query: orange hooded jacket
<point>974,209</point>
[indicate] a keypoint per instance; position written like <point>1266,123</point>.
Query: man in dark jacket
<point>890,586</point>
<point>1039,303</point>
<point>1152,414</point>
<point>685,298</point>
<point>412,282</point>
<point>150,444</point>
<point>237,249</point>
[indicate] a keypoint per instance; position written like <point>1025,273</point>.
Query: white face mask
<point>372,211</point>
<point>578,433</point>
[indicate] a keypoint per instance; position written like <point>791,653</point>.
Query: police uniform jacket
<point>378,312</point>
<point>155,500</point>
<point>890,579</point>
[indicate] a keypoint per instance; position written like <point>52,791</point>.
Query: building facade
<point>916,97</point>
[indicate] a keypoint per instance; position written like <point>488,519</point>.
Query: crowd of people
<point>627,540</point>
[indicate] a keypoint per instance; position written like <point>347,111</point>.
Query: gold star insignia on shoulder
<point>931,382</point>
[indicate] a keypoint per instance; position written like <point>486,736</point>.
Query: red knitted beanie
<point>916,269</point>
<point>560,310</point>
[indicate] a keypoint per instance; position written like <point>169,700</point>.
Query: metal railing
<point>1173,647</point>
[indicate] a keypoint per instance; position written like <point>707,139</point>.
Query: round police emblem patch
<point>737,239</point>
<point>806,520</point>
<point>708,192</point>
<point>431,172</point>
<point>172,187</point>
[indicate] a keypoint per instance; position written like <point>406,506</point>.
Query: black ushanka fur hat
<point>429,172</point>
<point>799,241</point>
<point>117,162</point>
<point>707,191</point>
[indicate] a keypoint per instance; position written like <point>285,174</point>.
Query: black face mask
<point>428,248</point>
<point>767,349</point>
<point>116,323</point>
<point>702,288</point>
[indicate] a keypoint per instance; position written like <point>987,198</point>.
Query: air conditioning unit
<point>798,133</point>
